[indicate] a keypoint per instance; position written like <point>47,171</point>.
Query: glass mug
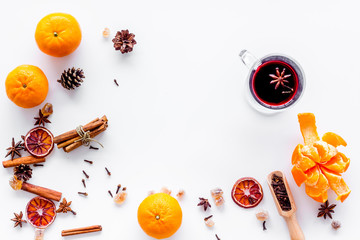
<point>274,83</point>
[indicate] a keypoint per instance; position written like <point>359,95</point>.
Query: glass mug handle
<point>249,60</point>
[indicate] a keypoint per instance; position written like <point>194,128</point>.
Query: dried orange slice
<point>247,192</point>
<point>40,212</point>
<point>39,142</point>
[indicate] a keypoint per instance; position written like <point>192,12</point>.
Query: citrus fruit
<point>39,142</point>
<point>58,34</point>
<point>160,215</point>
<point>40,212</point>
<point>27,86</point>
<point>247,192</point>
<point>318,163</point>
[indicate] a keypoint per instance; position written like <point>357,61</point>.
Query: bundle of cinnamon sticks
<point>71,140</point>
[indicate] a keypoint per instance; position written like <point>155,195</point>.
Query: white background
<point>179,118</point>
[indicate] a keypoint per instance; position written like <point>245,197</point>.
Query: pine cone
<point>71,78</point>
<point>23,172</point>
<point>124,41</point>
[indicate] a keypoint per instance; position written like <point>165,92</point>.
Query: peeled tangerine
<point>318,163</point>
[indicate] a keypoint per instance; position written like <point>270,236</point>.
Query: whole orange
<point>160,215</point>
<point>58,34</point>
<point>27,86</point>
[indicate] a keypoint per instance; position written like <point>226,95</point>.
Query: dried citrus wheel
<point>39,142</point>
<point>247,192</point>
<point>40,212</point>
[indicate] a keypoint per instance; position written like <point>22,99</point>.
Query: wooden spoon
<point>289,216</point>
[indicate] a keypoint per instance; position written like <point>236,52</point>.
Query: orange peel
<point>318,164</point>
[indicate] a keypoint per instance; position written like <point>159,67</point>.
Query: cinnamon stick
<point>73,134</point>
<point>22,160</point>
<point>41,191</point>
<point>93,133</point>
<point>75,231</point>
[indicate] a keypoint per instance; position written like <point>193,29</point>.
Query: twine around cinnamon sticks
<point>81,135</point>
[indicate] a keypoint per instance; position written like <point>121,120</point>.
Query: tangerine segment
<point>337,184</point>
<point>325,150</point>
<point>41,212</point>
<point>39,142</point>
<point>316,194</point>
<point>339,163</point>
<point>308,128</point>
<point>58,34</point>
<point>334,139</point>
<point>312,176</point>
<point>311,152</point>
<point>247,192</point>
<point>160,215</point>
<point>299,176</point>
<point>301,161</point>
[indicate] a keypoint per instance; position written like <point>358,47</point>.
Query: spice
<point>64,207</point>
<point>17,184</point>
<point>217,238</point>
<point>108,172</point>
<point>110,193</point>
<point>124,188</point>
<point>336,225</point>
<point>279,79</point>
<point>38,165</point>
<point>73,139</point>
<point>22,160</point>
<point>86,175</point>
<point>83,181</point>
<point>209,222</point>
<point>205,203</point>
<point>279,188</point>
<point>41,120</point>
<point>124,41</point>
<point>91,162</point>
<point>23,172</point>
<point>18,219</point>
<point>93,148</point>
<point>116,82</point>
<point>106,33</point>
<point>83,193</point>
<point>326,210</point>
<point>14,149</point>
<point>82,230</point>
<point>118,188</point>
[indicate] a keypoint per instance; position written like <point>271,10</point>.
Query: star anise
<point>14,149</point>
<point>124,41</point>
<point>23,172</point>
<point>280,79</point>
<point>18,219</point>
<point>205,203</point>
<point>41,120</point>
<point>64,207</point>
<point>326,210</point>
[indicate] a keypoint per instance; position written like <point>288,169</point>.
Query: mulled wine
<point>274,83</point>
